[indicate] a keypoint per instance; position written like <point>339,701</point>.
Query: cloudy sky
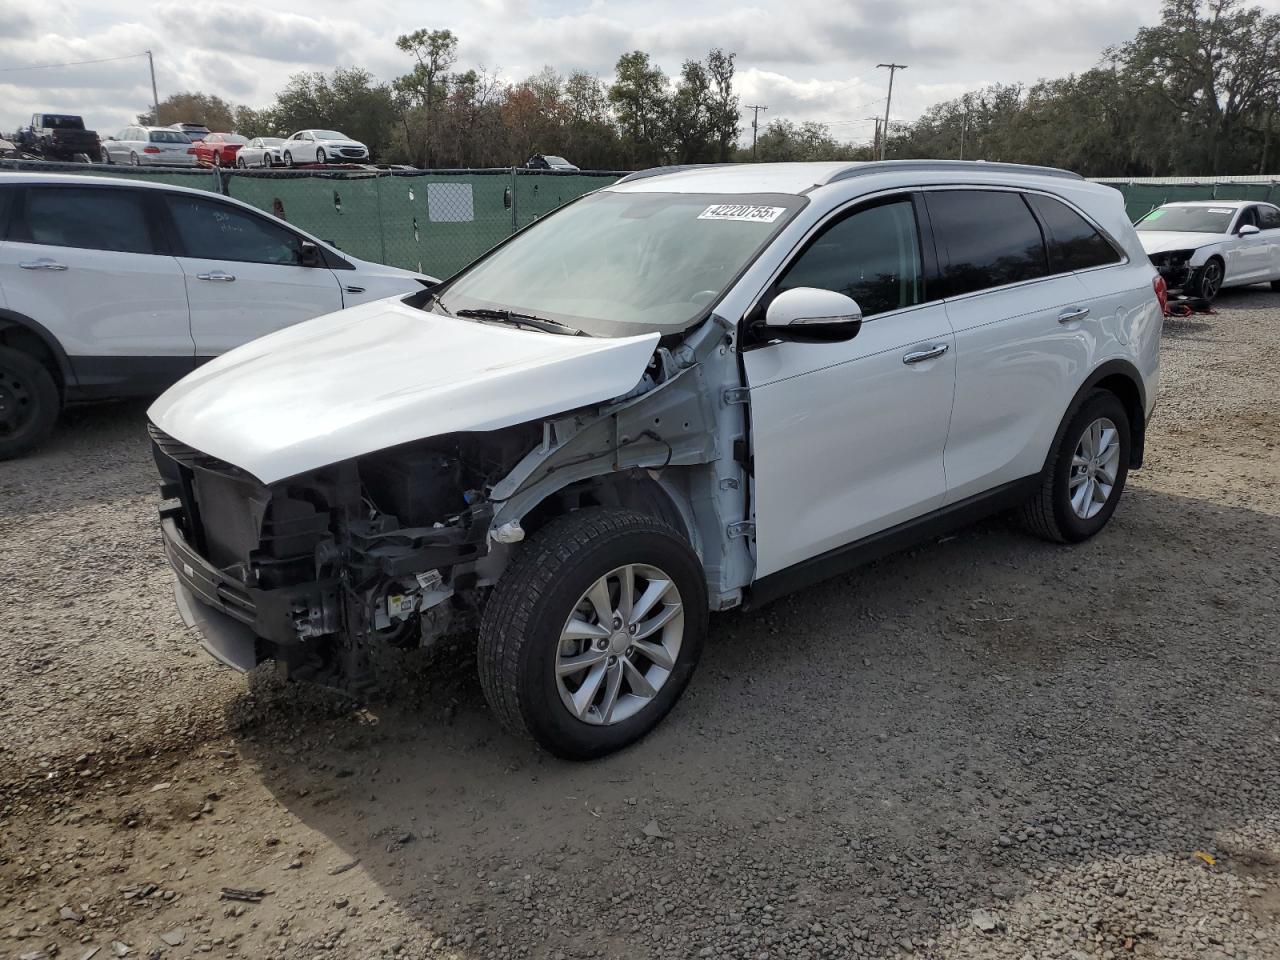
<point>804,59</point>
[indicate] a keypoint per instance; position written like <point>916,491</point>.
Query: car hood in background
<point>383,374</point>
<point>1158,241</point>
<point>342,143</point>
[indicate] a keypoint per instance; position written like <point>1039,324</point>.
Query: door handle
<point>1073,313</point>
<point>920,356</point>
<point>44,263</point>
<point>216,275</point>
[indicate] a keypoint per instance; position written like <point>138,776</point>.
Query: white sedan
<point>261,152</point>
<point>323,146</point>
<point>1201,246</point>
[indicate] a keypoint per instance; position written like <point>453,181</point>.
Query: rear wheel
<point>1085,476</point>
<point>1207,282</point>
<point>106,157</point>
<point>240,164</point>
<point>29,402</point>
<point>133,159</point>
<point>593,631</point>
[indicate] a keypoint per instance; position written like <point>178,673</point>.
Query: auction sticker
<point>741,211</point>
<point>1221,210</point>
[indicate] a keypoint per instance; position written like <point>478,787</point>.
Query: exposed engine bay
<point>400,546</point>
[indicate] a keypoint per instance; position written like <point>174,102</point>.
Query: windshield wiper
<point>519,319</point>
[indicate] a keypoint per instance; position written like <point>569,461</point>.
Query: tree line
<point>1195,94</point>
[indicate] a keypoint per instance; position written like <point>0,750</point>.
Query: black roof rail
<point>660,171</point>
<point>871,167</point>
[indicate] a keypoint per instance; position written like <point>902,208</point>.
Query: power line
<point>888,102</point>
<point>755,124</point>
<point>74,63</point>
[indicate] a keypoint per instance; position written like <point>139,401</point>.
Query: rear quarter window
<point>1074,244</point>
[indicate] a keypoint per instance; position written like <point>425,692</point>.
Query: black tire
<point>288,158</point>
<point>1049,514</point>
<point>1206,284</point>
<point>133,159</point>
<point>1275,285</point>
<point>520,633</point>
<point>106,157</point>
<point>240,164</point>
<point>29,403</point>
<point>320,157</point>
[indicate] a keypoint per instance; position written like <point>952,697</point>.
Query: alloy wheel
<point>16,407</point>
<point>1094,467</point>
<point>620,644</point>
<point>1210,280</point>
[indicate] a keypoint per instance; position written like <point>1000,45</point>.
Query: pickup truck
<point>58,136</point>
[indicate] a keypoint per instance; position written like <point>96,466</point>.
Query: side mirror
<point>811,314</point>
<point>308,254</point>
<point>1248,230</point>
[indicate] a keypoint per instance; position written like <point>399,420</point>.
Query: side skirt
<point>851,556</point>
<point>103,378</point>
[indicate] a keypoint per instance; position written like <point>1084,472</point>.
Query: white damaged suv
<point>692,390</point>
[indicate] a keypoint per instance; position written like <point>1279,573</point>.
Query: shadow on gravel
<point>98,453</point>
<point>1259,296</point>
<point>880,754</point>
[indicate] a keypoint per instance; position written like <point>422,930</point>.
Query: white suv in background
<point>691,390</point>
<point>119,288</point>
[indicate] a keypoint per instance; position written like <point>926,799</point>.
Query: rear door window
<point>985,238</point>
<point>90,218</point>
<point>1073,242</point>
<point>211,230</point>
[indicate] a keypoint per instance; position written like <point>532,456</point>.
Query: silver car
<point>149,146</point>
<point>261,152</point>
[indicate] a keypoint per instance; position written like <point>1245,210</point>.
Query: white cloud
<point>806,59</point>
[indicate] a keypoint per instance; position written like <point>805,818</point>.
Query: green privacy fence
<point>432,221</point>
<point>1143,196</point>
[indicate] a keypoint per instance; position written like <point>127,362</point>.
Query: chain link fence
<point>1144,194</point>
<point>432,221</point>
<point>438,221</point>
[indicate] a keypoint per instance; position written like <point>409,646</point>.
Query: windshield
<point>168,136</point>
<point>234,138</point>
<point>620,264</point>
<point>1188,219</point>
<point>53,121</point>
<point>328,135</point>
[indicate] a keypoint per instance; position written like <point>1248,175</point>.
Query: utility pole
<point>964,128</point>
<point>888,102</point>
<point>755,123</point>
<point>155,97</point>
<point>875,144</point>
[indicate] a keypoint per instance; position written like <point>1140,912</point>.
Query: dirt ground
<point>983,747</point>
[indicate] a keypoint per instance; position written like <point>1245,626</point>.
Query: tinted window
<point>873,255</point>
<point>6,203</point>
<point>1249,216</point>
<point>1073,243</point>
<point>218,231</point>
<point>1269,218</point>
<point>88,217</point>
<point>168,136</point>
<point>985,238</point>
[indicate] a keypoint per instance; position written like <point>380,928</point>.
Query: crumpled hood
<point>1158,241</point>
<point>382,374</point>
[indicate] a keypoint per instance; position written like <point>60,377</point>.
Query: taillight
<point>1162,292</point>
<point>150,149</point>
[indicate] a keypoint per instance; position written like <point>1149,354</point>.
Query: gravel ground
<point>984,747</point>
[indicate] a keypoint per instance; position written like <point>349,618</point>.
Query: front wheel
<point>1207,282</point>
<point>29,403</point>
<point>106,157</point>
<point>1085,475</point>
<point>320,157</point>
<point>288,158</point>
<point>593,632</point>
<point>240,164</point>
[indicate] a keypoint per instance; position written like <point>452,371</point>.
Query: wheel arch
<point>633,489</point>
<point>20,332</point>
<point>1121,378</point>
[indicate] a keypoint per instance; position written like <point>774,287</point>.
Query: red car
<point>219,149</point>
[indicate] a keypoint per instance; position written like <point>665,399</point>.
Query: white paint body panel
<point>848,439</point>
<point>1247,259</point>
<point>383,374</point>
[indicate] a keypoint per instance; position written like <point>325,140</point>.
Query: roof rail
<point>661,171</point>
<point>869,168</point>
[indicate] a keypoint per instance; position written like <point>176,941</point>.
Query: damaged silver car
<point>693,390</point>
